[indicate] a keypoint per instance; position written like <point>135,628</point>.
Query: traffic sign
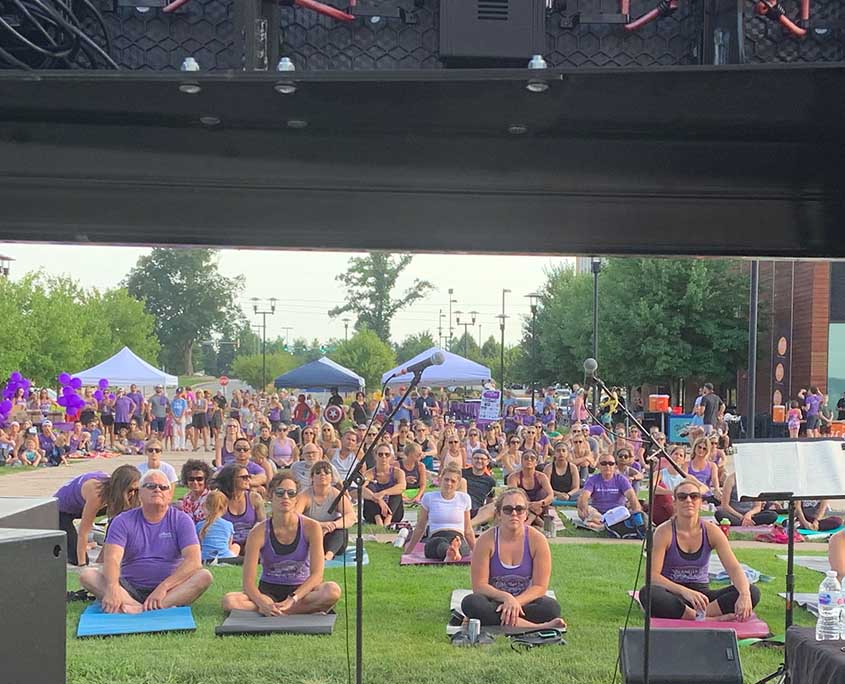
<point>224,380</point>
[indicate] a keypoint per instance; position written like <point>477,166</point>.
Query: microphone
<point>436,359</point>
<point>590,368</point>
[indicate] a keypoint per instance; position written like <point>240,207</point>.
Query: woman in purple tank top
<point>702,468</point>
<point>91,494</point>
<point>679,585</point>
<point>246,508</point>
<point>511,566</point>
<point>290,549</point>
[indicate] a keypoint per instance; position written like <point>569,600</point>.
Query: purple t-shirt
<point>607,494</point>
<point>138,398</point>
<point>121,409</point>
<point>253,468</point>
<point>813,401</point>
<point>151,551</point>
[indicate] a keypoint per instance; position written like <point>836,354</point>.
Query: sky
<point>304,283</point>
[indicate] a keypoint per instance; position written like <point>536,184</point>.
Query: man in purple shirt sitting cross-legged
<point>152,555</point>
<point>605,490</point>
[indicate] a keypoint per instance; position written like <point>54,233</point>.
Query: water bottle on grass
<point>830,599</point>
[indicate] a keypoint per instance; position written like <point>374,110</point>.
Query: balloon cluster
<point>15,382</point>
<point>70,397</point>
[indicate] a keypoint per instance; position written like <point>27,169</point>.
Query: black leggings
<point>480,607</point>
<point>665,604</point>
<point>438,543</point>
<point>394,503</point>
<point>762,518</point>
<point>336,541</point>
<point>66,524</point>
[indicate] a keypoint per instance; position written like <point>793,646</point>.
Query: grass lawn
<point>12,470</point>
<point>406,609</point>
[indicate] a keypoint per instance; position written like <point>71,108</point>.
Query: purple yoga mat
<point>417,557</point>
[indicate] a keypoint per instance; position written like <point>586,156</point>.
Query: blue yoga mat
<point>565,502</point>
<point>94,622</point>
<point>337,561</point>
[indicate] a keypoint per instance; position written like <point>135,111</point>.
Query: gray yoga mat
<point>817,563</point>
<point>250,622</point>
<point>808,601</point>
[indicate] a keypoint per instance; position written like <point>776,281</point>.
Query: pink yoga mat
<point>754,627</point>
<point>417,557</point>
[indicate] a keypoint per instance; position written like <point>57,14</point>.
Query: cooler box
<point>779,413</point>
<point>658,403</point>
<point>837,428</point>
<point>677,410</point>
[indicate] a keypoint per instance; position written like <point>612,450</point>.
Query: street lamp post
<point>533,298</point>
<point>466,325</point>
<point>596,267</point>
<point>502,318</point>
<point>261,309</point>
<point>345,329</point>
<point>451,301</point>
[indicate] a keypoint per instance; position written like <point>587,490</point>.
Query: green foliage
<point>413,345</point>
<point>189,298</point>
<point>369,281</point>
<point>659,319</point>
<point>367,355</point>
<point>248,367</point>
<point>52,325</point>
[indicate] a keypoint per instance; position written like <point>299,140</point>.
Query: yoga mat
<point>455,605</point>
<point>811,534</point>
<point>752,529</point>
<point>94,622</point>
<point>252,622</point>
<point>717,572</point>
<point>753,627</point>
<point>337,561</point>
<point>417,557</point>
<point>569,503</point>
<point>817,563</point>
<point>810,602</point>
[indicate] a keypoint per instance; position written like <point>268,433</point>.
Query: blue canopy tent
<point>321,374</point>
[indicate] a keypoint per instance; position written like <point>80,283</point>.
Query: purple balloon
<point>111,397</point>
<point>76,383</point>
<point>16,376</point>
<point>98,395</point>
<point>62,401</point>
<point>64,378</point>
<point>5,406</point>
<point>68,391</point>
<point>103,384</point>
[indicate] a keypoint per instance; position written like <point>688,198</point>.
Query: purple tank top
<point>243,523</point>
<point>70,494</point>
<point>516,579</point>
<point>226,456</point>
<point>704,476</point>
<point>535,493</point>
<point>375,486</point>
<point>291,568</point>
<point>282,452</point>
<point>687,568</point>
<point>274,414</point>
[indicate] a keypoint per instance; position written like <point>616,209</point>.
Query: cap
<point>32,431</point>
<point>159,387</point>
<point>46,423</point>
<point>360,426</point>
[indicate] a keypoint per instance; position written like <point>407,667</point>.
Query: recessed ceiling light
<point>190,88</point>
<point>297,123</point>
<point>210,120</point>
<point>517,129</point>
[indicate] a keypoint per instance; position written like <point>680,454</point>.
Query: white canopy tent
<point>127,368</point>
<point>456,370</point>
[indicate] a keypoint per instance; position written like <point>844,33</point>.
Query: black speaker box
<point>684,656</point>
<point>33,626</point>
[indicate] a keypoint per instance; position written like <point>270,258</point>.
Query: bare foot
<point>453,553</point>
<point>329,555</point>
<point>727,617</point>
<point>132,608</point>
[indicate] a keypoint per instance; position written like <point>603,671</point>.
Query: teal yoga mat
<point>94,622</point>
<point>337,561</point>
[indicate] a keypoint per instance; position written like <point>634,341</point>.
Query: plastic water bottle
<point>399,542</point>
<point>830,593</point>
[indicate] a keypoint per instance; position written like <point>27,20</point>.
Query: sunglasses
<point>514,441</point>
<point>683,496</point>
<point>153,450</point>
<point>282,493</point>
<point>196,479</point>
<point>244,477</point>
<point>624,456</point>
<point>384,454</point>
<point>454,441</point>
<point>607,463</point>
<point>323,471</point>
<point>578,441</point>
<point>152,486</point>
<point>231,427</point>
<point>242,449</point>
<point>510,510</point>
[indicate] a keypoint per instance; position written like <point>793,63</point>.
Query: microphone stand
<point>652,461</point>
<point>356,477</point>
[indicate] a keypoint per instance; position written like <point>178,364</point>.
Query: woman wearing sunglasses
<point>536,486</point>
<point>152,449</point>
<point>511,566</point>
<point>315,502</point>
<point>246,508</point>
<point>382,493</point>
<point>510,459</point>
<point>196,475</point>
<point>289,547</point>
<point>679,577</point>
<point>562,473</point>
<point>224,449</point>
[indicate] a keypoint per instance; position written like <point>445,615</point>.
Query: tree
<point>248,367</point>
<point>365,354</point>
<point>369,281</point>
<point>189,298</point>
<point>413,345</point>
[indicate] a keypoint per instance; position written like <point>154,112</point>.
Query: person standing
<point>711,403</point>
<point>812,404</point>
<point>424,405</point>
<point>124,409</point>
<point>404,410</point>
<point>840,408</point>
<point>199,418</point>
<point>138,400</point>
<point>179,411</point>
<point>158,409</point>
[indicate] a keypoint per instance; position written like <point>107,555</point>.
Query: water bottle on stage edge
<point>830,598</point>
